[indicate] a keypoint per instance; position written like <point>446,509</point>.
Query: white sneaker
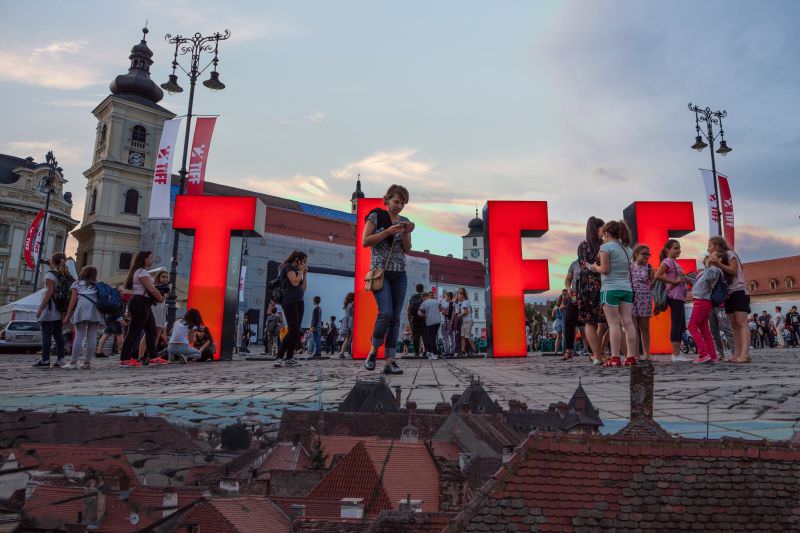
<point>681,359</point>
<point>69,366</point>
<point>432,357</point>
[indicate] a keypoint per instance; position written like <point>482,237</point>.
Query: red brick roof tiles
<point>589,483</point>
<point>406,522</point>
<point>242,514</point>
<point>286,456</point>
<point>107,461</point>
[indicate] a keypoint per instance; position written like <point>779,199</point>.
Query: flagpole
<point>51,163</point>
<point>711,118</point>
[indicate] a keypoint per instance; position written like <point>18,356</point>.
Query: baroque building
<point>129,124</point>
<point>22,195</point>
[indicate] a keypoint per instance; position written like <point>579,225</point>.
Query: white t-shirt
<point>180,332</point>
<point>778,319</point>
<point>84,287</point>
<point>465,305</point>
<point>430,310</point>
<point>138,287</point>
<point>50,313</point>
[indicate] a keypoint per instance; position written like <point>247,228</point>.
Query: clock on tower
<point>136,159</point>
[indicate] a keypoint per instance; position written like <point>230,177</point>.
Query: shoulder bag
<point>374,280</point>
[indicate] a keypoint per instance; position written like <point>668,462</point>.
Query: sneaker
<point>291,362</point>
<point>134,362</point>
<point>629,361</point>
<point>597,362</point>
<point>100,355</point>
<point>158,361</point>
<point>702,359</point>
<point>277,364</point>
<point>86,365</point>
<point>432,357</point>
<point>57,364</point>
<point>125,362</point>
<point>681,359</point>
<point>42,364</point>
<point>369,362</point>
<point>392,368</point>
<point>69,366</point>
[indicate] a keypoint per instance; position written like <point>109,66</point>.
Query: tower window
<point>103,132</point>
<point>139,134</point>
<point>5,234</point>
<point>93,202</point>
<point>125,260</point>
<point>474,241</point>
<point>132,202</point>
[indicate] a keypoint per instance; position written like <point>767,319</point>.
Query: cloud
<point>389,166</point>
<point>609,174</point>
<point>58,47</point>
<point>298,186</point>
<point>755,243</point>
<point>74,103</point>
<point>317,117</point>
<point>65,152</point>
<point>47,70</point>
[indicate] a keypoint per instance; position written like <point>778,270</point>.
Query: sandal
<point>567,356</point>
<point>738,360</point>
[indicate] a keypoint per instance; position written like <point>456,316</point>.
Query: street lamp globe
<point>213,82</point>
<point>172,86</point>
<point>724,149</point>
<point>699,144</point>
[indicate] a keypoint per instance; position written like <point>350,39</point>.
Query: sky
<point>580,104</point>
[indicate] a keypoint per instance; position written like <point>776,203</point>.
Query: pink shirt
<point>674,270</point>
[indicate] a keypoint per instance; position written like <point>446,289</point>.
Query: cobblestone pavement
<point>758,400</point>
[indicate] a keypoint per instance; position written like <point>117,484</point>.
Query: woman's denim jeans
<point>390,304</point>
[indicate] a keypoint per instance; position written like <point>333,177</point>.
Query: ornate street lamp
<point>710,118</point>
<point>52,166</point>
<point>193,46</point>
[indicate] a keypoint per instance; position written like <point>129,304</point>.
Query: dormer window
<point>773,284</point>
<point>753,286</point>
<point>789,282</point>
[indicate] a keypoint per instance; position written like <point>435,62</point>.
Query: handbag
<point>374,279</point>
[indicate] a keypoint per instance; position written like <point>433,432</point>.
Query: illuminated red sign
<point>365,309</point>
<point>510,276</point>
<point>653,223</point>
<point>212,220</point>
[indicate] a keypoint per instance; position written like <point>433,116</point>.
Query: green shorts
<point>614,298</point>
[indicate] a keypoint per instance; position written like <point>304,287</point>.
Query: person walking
<point>642,275</point>
<point>140,283</point>
<point>779,327</point>
<point>465,314</point>
<point>590,312</point>
<point>348,324</point>
<point>616,293</point>
<point>703,307</point>
<point>113,329</point>
<point>388,234</point>
<point>272,328</point>
<point>316,328</point>
<point>49,313</point>
<point>293,274</point>
<point>82,313</point>
<point>671,273</point>
<point>430,311</point>
<point>737,305</point>
<point>416,322</point>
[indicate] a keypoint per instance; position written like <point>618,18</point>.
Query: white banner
<point>162,177</point>
<point>37,243</point>
<point>241,284</point>
<point>711,200</point>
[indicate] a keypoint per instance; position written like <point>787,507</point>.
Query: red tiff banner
<point>213,220</point>
<point>510,276</point>
<point>201,144</point>
<point>365,310</point>
<point>653,223</point>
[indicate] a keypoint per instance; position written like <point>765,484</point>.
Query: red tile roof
<point>406,522</point>
<point>779,270</point>
<point>142,507</point>
<point>241,514</point>
<point>285,456</point>
<point>453,271</point>
<point>319,507</point>
<point>586,483</point>
<point>108,461</point>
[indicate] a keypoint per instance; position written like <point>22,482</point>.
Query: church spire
<point>137,81</point>
<point>356,195</point>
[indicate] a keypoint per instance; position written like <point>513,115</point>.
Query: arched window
<point>139,134</point>
<point>103,132</point>
<point>474,241</point>
<point>789,282</point>
<point>125,260</point>
<point>93,202</point>
<point>773,284</point>
<point>132,202</point>
<point>753,286</point>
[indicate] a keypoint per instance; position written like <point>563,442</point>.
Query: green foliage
<point>318,456</point>
<point>235,437</point>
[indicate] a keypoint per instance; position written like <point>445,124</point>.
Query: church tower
<point>473,240</point>
<point>356,195</point>
<point>129,124</point>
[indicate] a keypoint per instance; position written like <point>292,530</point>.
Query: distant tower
<point>356,195</point>
<point>473,240</point>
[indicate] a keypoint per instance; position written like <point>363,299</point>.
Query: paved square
<point>759,400</point>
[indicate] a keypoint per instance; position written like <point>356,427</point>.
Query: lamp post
<point>194,46</point>
<point>52,166</point>
<point>710,118</point>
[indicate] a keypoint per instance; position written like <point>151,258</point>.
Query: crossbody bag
<point>374,280</point>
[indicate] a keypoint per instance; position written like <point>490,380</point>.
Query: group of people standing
<point>429,317</point>
<point>136,308</point>
<point>610,296</point>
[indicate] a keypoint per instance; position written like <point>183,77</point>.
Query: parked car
<point>23,335</point>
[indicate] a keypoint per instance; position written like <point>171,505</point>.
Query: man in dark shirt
<point>766,326</point>
<point>792,323</point>
<point>416,322</point>
<point>316,327</point>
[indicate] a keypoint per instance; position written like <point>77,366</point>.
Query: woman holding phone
<point>293,274</point>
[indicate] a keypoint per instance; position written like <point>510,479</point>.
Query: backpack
<point>720,292</point>
<point>415,302</point>
<point>275,290</point>
<point>109,300</point>
<point>659,291</point>
<point>61,293</point>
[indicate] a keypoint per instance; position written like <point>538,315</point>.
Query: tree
<point>235,437</point>
<point>318,456</point>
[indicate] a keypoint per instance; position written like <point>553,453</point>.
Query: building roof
<point>124,510</point>
<point>453,271</point>
<point>240,514</point>
<point>286,456</point>
<point>589,483</point>
<point>127,432</point>
<point>778,270</point>
<point>9,163</point>
<point>137,81</point>
<point>317,508</point>
<point>475,226</point>
<point>369,396</point>
<point>410,522</point>
<point>475,399</point>
<point>293,483</point>
<point>108,461</point>
<point>332,525</point>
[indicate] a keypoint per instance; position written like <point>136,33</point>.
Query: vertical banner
<point>711,200</point>
<point>203,129</point>
<point>31,245</point>
<point>727,209</point>
<point>241,283</point>
<point>162,176</point>
<point>38,242</point>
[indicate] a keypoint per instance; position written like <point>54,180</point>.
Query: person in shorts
<point>465,312</point>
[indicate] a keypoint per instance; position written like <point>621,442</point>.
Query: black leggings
<point>677,313</point>
<point>291,342</point>
<point>141,320</point>
<point>570,323</point>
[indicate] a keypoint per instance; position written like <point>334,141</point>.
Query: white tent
<point>23,309</point>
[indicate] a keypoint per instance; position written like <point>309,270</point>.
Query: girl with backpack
<point>703,292</point>
<point>671,273</point>
<point>737,305</point>
<point>84,316</point>
<point>139,307</point>
<point>54,302</point>
<point>293,275</point>
<point>388,235</point>
<point>616,292</point>
<point>642,275</point>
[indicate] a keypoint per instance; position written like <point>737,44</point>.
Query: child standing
<point>84,316</point>
<point>642,275</point>
<point>703,306</point>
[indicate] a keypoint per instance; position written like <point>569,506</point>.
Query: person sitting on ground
<point>204,343</point>
<point>183,333</point>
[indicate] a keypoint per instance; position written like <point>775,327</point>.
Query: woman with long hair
<point>84,316</point>
<point>589,311</point>
<point>183,336</point>
<point>48,313</point>
<point>616,294</point>
<point>671,273</point>
<point>348,306</point>
<point>140,283</point>
<point>293,274</point>
<point>737,304</point>
<point>464,309</point>
<point>388,234</point>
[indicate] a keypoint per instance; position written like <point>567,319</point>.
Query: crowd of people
<point>612,292</point>
<point>775,331</point>
<point>132,316</point>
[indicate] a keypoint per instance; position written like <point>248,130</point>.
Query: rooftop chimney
<point>169,503</point>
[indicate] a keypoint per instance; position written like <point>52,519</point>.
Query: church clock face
<point>475,253</point>
<point>136,159</point>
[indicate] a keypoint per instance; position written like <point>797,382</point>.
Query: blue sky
<point>582,104</point>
